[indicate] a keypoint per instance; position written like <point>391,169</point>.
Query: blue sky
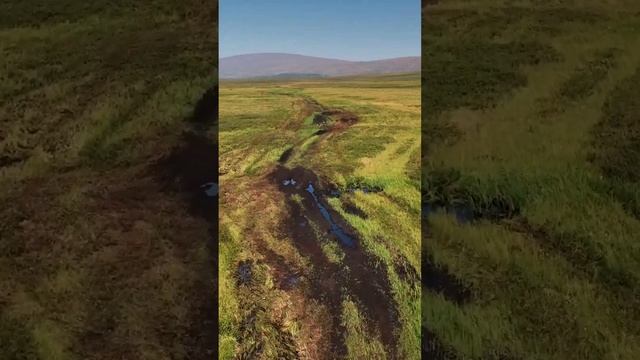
<point>347,29</point>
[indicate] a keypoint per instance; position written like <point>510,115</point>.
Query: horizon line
<point>315,56</point>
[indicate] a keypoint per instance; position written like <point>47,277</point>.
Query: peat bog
<point>317,276</point>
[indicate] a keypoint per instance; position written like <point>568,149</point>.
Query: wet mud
<point>339,232</point>
<point>285,155</point>
<point>321,119</point>
<point>358,273</point>
<point>286,276</point>
<point>309,222</point>
<point>244,273</point>
<point>340,115</point>
<point>351,188</point>
<point>405,270</point>
<point>351,208</point>
<point>327,119</point>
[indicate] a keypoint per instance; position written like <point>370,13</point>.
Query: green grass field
<point>100,255</point>
<point>288,287</point>
<point>532,139</point>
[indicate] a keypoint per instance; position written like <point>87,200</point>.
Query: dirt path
<point>329,121</point>
<point>357,275</point>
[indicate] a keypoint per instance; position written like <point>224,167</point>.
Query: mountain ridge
<point>274,64</point>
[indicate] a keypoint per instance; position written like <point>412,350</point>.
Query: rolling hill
<point>275,64</point>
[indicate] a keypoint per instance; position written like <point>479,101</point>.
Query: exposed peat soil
<point>351,208</point>
<point>328,120</point>
<point>323,116</point>
<point>357,276</point>
<point>310,222</point>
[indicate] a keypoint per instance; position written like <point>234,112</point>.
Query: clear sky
<point>340,29</point>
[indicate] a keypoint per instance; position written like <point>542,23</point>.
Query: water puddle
<point>288,182</point>
<point>357,274</point>
<point>244,272</point>
<point>345,239</point>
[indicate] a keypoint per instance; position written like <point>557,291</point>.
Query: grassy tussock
<point>551,248</point>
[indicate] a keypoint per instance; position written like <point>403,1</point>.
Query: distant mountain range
<point>291,65</point>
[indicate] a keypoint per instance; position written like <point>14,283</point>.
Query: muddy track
<point>328,121</point>
<point>308,222</point>
<point>358,275</point>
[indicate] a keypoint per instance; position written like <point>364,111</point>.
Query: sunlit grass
<point>258,123</point>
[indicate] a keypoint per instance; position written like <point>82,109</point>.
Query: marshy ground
<point>320,227</point>
<point>531,177</point>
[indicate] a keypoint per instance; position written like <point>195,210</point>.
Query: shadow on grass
<point>188,170</point>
